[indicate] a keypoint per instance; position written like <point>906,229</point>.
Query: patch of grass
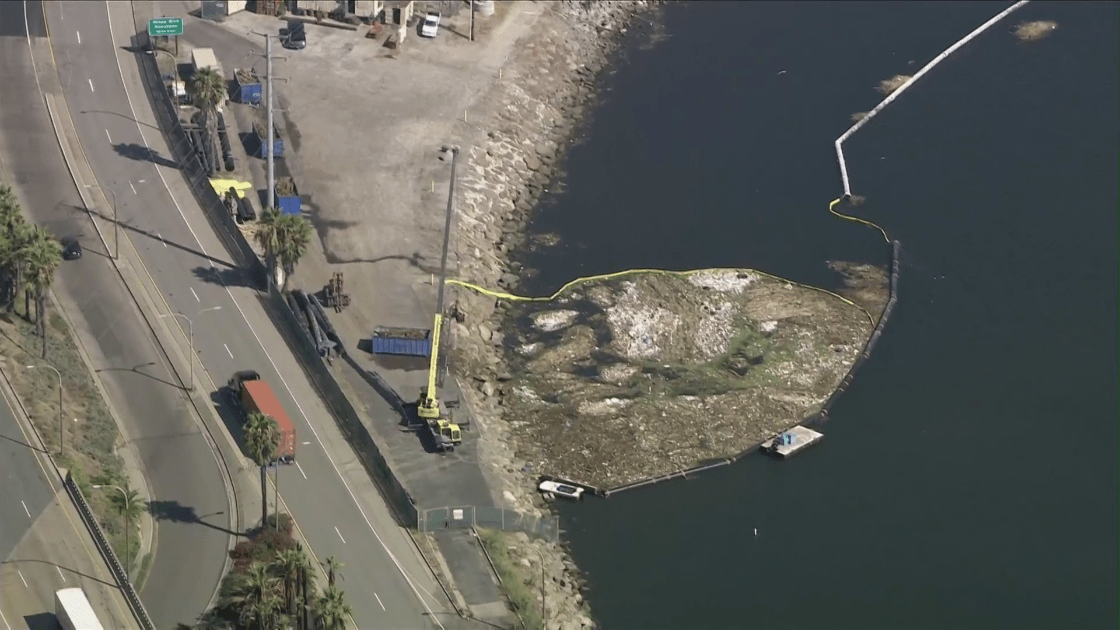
<point>520,584</point>
<point>89,433</point>
<point>742,366</point>
<point>142,574</point>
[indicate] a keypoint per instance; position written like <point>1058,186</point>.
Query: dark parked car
<point>294,37</point>
<point>71,248</point>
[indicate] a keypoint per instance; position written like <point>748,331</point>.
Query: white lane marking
<point>27,511</point>
<point>339,535</point>
<point>143,138</point>
<point>227,351</point>
<point>21,578</point>
<point>301,470</point>
<point>91,86</point>
<point>108,136</point>
<point>133,188</point>
<point>5,621</point>
<point>60,573</point>
<point>161,239</point>
<point>195,295</point>
<point>379,601</point>
<point>79,36</point>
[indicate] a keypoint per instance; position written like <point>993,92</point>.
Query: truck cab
<point>238,378</point>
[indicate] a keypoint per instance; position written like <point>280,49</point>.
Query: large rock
<point>532,163</point>
<point>484,332</point>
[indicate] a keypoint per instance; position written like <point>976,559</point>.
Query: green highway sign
<point>165,27</point>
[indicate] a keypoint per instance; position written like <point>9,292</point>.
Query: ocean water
<point>969,478</point>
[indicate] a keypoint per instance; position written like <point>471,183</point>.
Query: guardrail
<point>107,552</point>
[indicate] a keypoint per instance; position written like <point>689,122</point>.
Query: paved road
<point>181,469</point>
<point>24,492</point>
<point>327,492</point>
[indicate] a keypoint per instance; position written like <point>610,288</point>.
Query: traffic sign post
<point>166,27</point>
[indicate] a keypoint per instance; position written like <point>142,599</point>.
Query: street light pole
<point>190,335</point>
<point>116,223</point>
<point>544,616</point>
<point>61,441</point>
<point>127,526</point>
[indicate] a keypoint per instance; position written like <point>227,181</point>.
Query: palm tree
<point>284,239</point>
<point>43,256</point>
<point>207,89</point>
<point>130,507</point>
<point>333,609</point>
<point>269,612</point>
<point>262,439</point>
<point>257,584</point>
<point>17,239</point>
<point>289,564</point>
<point>334,568</point>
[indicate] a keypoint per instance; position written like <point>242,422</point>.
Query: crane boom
<point>429,408</point>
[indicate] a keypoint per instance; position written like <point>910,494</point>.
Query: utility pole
<point>270,141</point>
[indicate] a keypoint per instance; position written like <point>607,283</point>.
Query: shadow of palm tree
<point>230,277</point>
<point>142,153</point>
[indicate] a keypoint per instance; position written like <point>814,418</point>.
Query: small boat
<point>553,489</point>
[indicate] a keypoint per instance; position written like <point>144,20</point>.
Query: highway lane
<point>24,492</point>
<point>181,469</point>
<point>314,491</point>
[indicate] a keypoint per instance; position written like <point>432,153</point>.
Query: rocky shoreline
<point>545,93</point>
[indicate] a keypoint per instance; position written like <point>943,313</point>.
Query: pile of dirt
<point>631,378</point>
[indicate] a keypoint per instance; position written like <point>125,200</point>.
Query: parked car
<point>294,37</point>
<point>71,248</point>
<point>431,25</point>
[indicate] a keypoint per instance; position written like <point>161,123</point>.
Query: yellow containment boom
<point>429,407</point>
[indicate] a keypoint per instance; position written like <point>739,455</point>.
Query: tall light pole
<point>116,223</point>
<point>190,334</point>
<point>270,141</point>
<point>544,616</point>
<point>61,441</point>
<point>127,526</point>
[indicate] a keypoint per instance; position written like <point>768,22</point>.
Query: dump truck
<point>254,395</point>
<point>73,611</point>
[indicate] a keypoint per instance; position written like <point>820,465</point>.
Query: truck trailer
<point>255,396</point>
<point>74,611</point>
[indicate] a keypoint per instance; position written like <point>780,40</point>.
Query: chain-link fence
<point>469,516</point>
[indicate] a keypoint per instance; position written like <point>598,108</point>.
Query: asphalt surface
<point>181,469</point>
<point>24,492</point>
<point>188,263</point>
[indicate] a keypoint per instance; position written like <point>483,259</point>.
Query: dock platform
<point>791,442</point>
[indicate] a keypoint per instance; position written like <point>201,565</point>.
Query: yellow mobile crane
<point>445,434</point>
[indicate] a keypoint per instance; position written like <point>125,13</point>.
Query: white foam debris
<point>768,326</point>
<point>639,328</point>
<point>723,279</point>
<point>549,321</point>
<point>715,330</point>
<point>603,407</point>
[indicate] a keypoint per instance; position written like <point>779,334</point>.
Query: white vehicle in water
<point>552,489</point>
<point>431,24</point>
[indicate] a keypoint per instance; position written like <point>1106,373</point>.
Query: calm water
<point>969,479</point>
